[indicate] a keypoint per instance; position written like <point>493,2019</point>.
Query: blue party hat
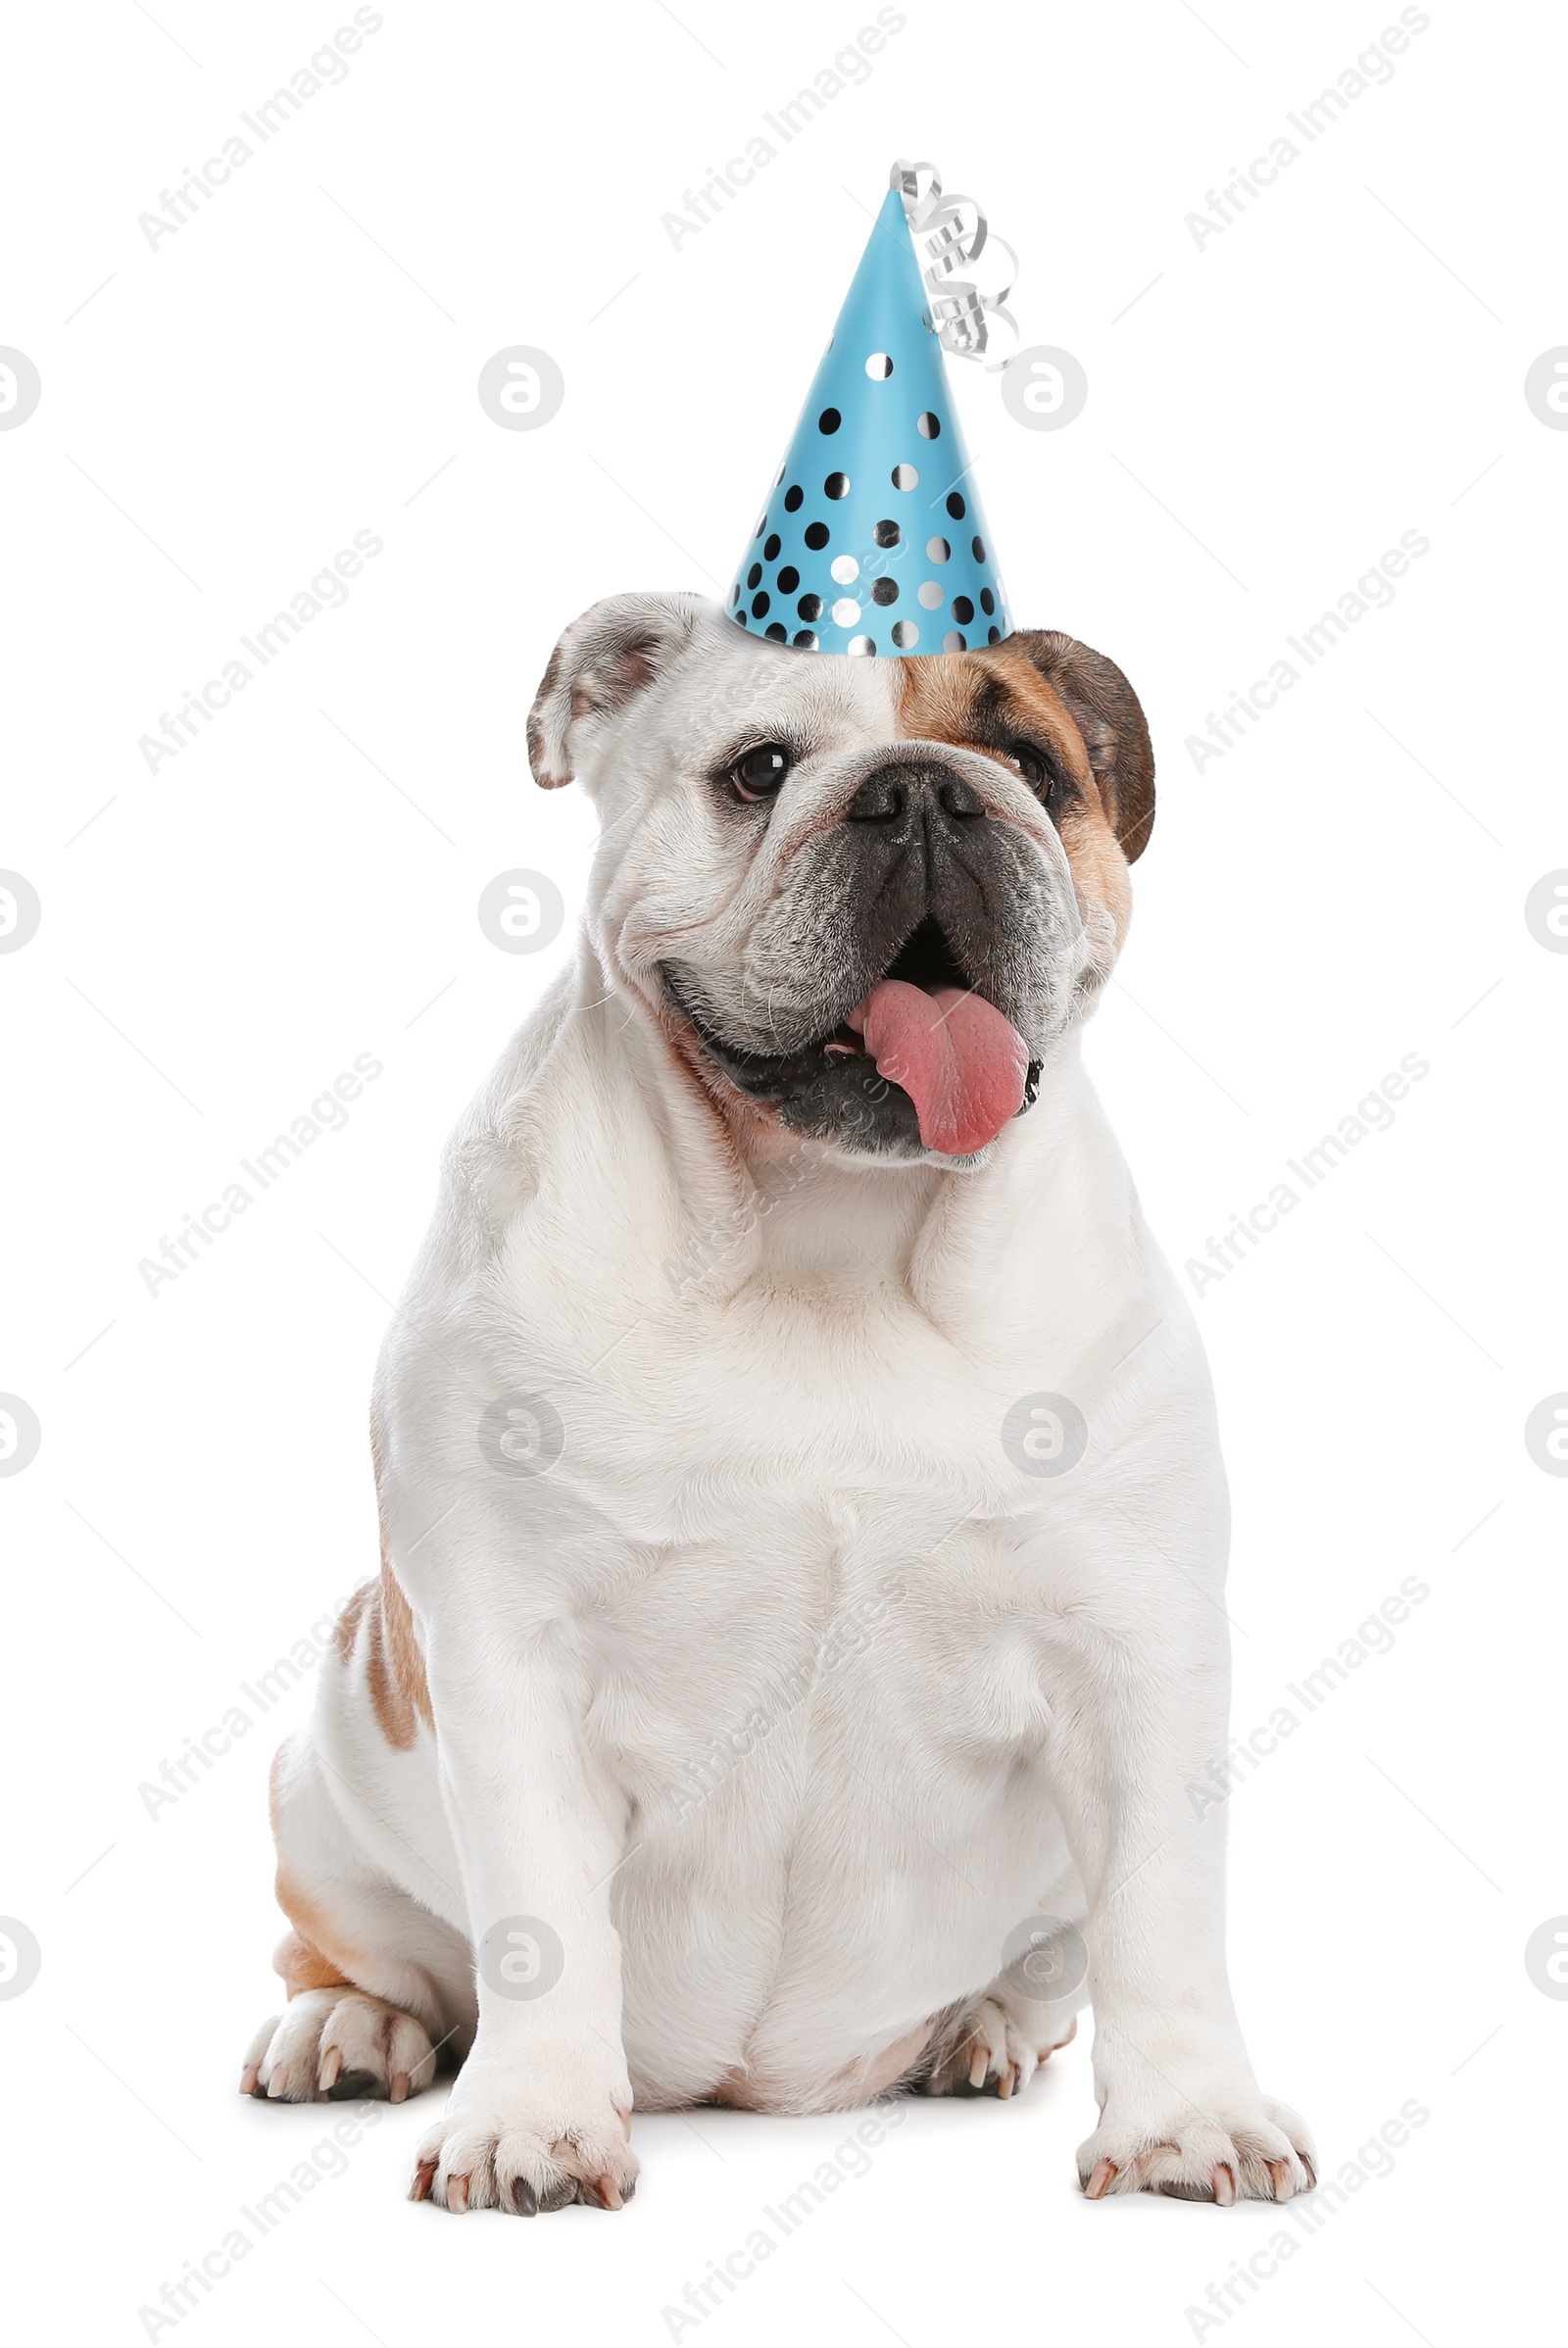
<point>873,540</point>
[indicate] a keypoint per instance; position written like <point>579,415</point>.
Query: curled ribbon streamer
<point>952,232</point>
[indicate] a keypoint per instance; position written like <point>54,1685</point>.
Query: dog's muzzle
<point>901,989</point>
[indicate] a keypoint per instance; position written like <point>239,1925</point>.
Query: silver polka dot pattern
<point>876,440</point>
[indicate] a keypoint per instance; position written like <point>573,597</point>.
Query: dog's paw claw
<point>990,2049</point>
<point>1260,2155</point>
<point>487,2155</point>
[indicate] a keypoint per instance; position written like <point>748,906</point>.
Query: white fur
<point>929,1697</point>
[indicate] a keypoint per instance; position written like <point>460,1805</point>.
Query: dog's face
<point>838,883</point>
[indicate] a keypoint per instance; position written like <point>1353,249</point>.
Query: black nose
<point>911,788</point>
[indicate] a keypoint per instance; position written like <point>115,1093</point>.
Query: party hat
<point>872,539</point>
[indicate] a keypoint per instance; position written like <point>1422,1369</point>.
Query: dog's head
<point>865,899</point>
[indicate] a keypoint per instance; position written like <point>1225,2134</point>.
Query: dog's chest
<point>847,1578</point>
<point>808,1559</point>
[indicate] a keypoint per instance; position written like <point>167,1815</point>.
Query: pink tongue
<point>961,1062</point>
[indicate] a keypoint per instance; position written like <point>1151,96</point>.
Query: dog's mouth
<point>922,1048</point>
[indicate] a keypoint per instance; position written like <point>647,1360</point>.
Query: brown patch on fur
<point>300,1965</point>
<point>306,1958</point>
<point>1055,692</point>
<point>937,700</point>
<point>376,1630</point>
<point>399,1689</point>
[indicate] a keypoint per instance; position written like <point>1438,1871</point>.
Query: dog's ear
<point>1109,716</point>
<point>617,647</point>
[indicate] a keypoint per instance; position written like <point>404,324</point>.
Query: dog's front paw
<point>1261,2152</point>
<point>506,2145</point>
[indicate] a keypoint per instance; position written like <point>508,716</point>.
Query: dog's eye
<point>1040,774</point>
<point>758,772</point>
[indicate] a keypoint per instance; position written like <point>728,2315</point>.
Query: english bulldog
<point>799,1622</point>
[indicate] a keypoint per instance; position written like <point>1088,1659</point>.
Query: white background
<point>1267,413</point>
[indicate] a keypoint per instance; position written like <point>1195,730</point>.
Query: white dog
<point>800,1624</point>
